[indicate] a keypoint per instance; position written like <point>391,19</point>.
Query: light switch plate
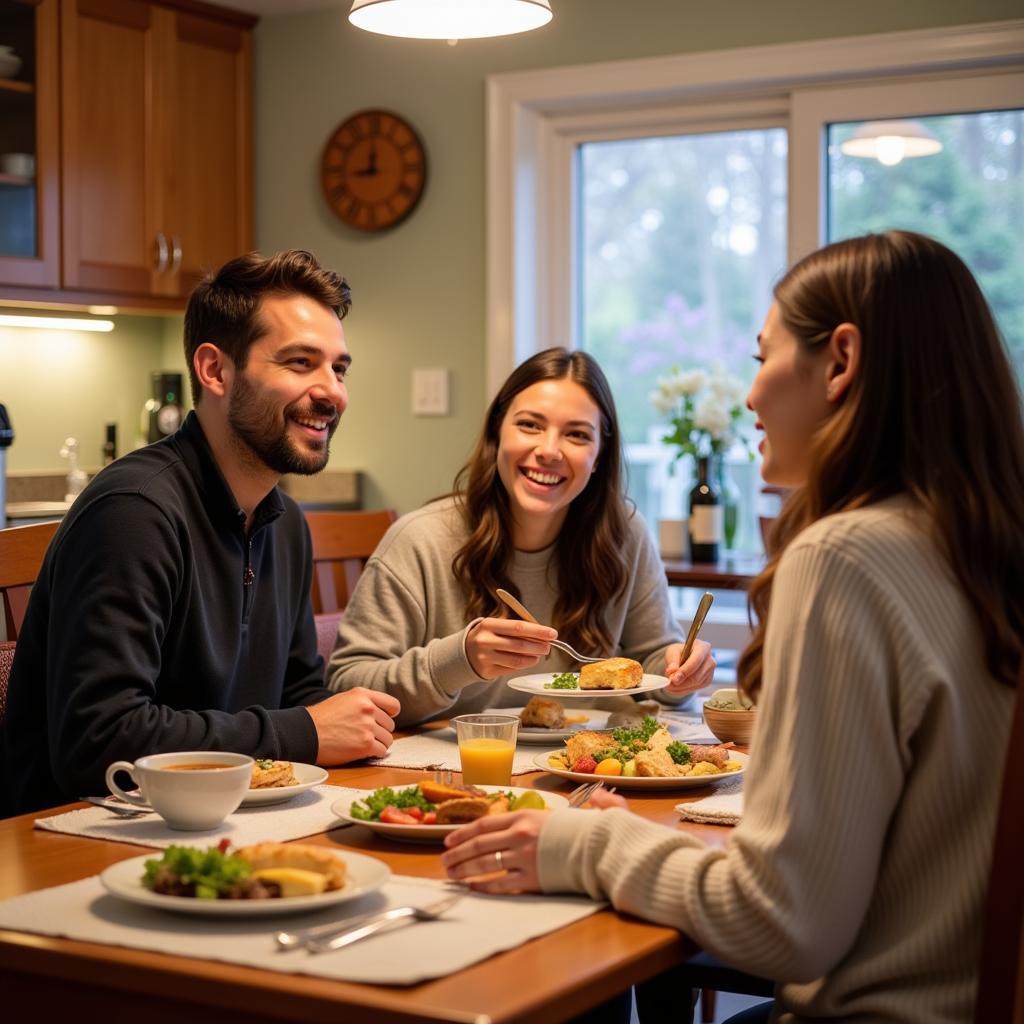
<point>430,392</point>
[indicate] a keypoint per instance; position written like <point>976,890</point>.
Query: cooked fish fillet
<point>657,764</point>
<point>611,674</point>
<point>584,743</point>
<point>543,713</point>
<point>458,812</point>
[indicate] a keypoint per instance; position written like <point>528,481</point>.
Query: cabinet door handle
<point>161,252</point>
<point>175,253</point>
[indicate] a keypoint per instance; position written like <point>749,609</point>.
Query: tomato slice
<point>395,816</point>
<point>430,818</point>
<point>415,812</point>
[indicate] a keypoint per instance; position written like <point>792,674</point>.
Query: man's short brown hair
<point>224,308</point>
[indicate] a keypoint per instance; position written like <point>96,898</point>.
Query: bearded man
<point>172,610</point>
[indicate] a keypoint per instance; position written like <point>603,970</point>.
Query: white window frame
<point>535,120</point>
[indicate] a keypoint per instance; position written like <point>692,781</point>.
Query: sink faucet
<point>77,478</point>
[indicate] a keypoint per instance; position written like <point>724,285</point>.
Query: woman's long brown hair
<point>934,412</point>
<point>591,568</point>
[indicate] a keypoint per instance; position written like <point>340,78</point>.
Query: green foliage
<point>642,733</point>
<point>679,752</point>
<point>370,808</point>
<point>564,681</point>
<point>211,871</point>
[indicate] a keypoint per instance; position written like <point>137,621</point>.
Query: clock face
<point>373,170</point>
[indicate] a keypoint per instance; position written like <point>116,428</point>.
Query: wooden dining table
<point>549,979</point>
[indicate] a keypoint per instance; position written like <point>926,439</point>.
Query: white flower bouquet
<point>704,409</point>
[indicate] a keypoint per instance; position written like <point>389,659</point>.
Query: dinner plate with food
<point>428,811</point>
<point>266,878</point>
<point>273,782</point>
<point>644,756</point>
<point>612,677</point>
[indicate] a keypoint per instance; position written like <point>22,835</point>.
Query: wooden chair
<point>6,664</point>
<point>342,543</point>
<point>21,556</point>
<point>1001,971</point>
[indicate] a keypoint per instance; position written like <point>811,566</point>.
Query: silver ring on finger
<point>499,858</point>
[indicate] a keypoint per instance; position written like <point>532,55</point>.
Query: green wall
<point>57,384</point>
<point>419,289</point>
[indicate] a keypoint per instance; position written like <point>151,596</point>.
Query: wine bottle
<point>707,516</point>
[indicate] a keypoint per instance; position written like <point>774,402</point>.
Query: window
<point>556,139</point>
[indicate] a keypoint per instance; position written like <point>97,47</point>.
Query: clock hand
<point>371,164</point>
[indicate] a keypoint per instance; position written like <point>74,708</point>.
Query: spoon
<point>698,621</point>
<point>107,805</point>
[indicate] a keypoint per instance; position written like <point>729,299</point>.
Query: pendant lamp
<point>449,19</point>
<point>890,142</point>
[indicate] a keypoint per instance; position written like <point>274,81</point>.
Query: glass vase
<point>730,497</point>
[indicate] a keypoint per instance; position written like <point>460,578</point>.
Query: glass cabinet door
<point>28,150</point>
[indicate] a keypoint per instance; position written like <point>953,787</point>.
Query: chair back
<point>1001,972</point>
<point>21,556</point>
<point>6,663</point>
<point>342,543</point>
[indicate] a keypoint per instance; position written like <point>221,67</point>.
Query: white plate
<point>535,684</point>
<point>309,775</point>
<point>426,833</point>
<point>637,782</point>
<point>596,719</point>
<point>124,880</point>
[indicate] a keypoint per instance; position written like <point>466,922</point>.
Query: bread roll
<point>543,713</point>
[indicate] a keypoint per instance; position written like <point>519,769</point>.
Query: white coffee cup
<point>22,165</point>
<point>672,538</point>
<point>191,790</point>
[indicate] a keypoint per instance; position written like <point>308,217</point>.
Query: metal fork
<point>521,610</point>
<point>444,778</point>
<point>125,811</point>
<point>322,940</point>
<point>581,794</point>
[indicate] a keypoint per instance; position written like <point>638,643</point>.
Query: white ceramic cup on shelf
<point>191,790</point>
<point>21,165</point>
<point>672,538</point>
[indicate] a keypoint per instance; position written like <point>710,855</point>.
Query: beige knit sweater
<point>404,630</point>
<point>857,875</point>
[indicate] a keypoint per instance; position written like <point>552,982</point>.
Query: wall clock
<point>373,170</point>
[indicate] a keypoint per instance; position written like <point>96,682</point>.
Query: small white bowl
<point>10,62</point>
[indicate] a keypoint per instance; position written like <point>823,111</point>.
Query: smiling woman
<point>538,510</point>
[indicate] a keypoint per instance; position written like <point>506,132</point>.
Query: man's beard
<point>263,430</point>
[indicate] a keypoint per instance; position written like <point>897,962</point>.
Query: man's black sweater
<point>157,624</point>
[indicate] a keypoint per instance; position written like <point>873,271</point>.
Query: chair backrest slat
<point>1001,972</point>
<point>21,556</point>
<point>342,543</point>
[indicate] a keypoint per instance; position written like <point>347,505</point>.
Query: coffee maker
<point>6,437</point>
<point>162,413</point>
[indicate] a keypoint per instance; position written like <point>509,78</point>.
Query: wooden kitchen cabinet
<point>29,136</point>
<point>155,136</point>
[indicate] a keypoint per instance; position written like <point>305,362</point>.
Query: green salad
<point>370,809</point>
<point>205,874</point>
<point>564,681</point>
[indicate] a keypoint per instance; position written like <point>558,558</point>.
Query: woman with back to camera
<point>538,510</point>
<point>891,618</point>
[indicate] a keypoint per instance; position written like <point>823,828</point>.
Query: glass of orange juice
<point>486,746</point>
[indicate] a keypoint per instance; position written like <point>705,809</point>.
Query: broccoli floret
<point>679,752</point>
<point>622,756</point>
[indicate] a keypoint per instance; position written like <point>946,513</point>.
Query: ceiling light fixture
<point>56,323</point>
<point>890,142</point>
<point>449,19</point>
